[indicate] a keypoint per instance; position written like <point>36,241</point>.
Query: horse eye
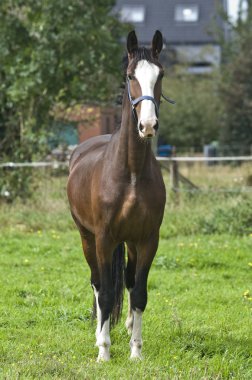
<point>161,75</point>
<point>131,77</point>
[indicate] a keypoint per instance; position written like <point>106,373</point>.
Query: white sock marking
<point>98,312</point>
<point>129,320</point>
<point>102,335</point>
<point>104,343</point>
<point>136,338</point>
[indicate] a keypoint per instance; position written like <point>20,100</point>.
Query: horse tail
<point>118,267</point>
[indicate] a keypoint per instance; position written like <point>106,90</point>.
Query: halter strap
<point>146,97</point>
<point>168,99</point>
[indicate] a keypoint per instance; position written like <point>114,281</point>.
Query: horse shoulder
<point>88,147</point>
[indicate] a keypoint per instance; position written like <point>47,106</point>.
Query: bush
<point>208,213</point>
<point>16,183</point>
<point>235,218</point>
<point>194,120</point>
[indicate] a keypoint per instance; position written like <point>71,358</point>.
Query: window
<point>187,13</point>
<point>133,13</point>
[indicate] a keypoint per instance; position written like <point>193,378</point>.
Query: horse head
<point>144,83</point>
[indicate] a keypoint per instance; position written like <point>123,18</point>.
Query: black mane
<point>138,55</point>
<point>143,53</point>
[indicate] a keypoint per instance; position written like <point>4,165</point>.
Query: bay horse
<point>117,195</point>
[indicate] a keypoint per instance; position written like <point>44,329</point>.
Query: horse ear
<point>157,43</point>
<point>132,43</point>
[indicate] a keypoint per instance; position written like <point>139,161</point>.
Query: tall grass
<point>197,322</point>
<point>203,212</point>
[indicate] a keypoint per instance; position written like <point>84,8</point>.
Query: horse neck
<point>134,153</point>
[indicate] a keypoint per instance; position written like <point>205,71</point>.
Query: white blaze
<point>147,73</point>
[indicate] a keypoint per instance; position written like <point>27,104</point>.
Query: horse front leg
<point>102,334</point>
<point>104,299</point>
<point>89,249</point>
<point>145,254</point>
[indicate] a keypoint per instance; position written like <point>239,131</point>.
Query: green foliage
<point>236,86</point>
<point>208,213</point>
<point>21,182</point>
<point>234,218</point>
<point>51,52</point>
<point>30,186</point>
<point>215,107</point>
<point>16,183</point>
<point>194,120</point>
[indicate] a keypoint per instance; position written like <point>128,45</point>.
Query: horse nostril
<point>156,127</point>
<point>141,127</point>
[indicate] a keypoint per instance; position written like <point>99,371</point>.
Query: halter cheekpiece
<point>134,102</point>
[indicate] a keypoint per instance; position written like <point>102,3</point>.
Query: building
<point>93,121</point>
<point>82,122</point>
<point>185,25</point>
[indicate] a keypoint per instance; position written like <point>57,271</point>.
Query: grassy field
<point>218,177</point>
<point>197,324</point>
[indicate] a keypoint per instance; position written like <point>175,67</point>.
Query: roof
<point>160,14</point>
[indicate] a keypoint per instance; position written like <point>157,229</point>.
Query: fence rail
<point>56,164</point>
<point>205,159</point>
<point>183,178</point>
<point>53,164</point>
<point>171,164</point>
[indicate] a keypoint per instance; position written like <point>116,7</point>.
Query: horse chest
<point>134,209</point>
<point>134,217</point>
<point>130,204</point>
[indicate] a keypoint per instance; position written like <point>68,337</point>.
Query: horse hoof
<point>136,357</point>
<point>103,358</point>
<point>135,353</point>
<point>104,354</point>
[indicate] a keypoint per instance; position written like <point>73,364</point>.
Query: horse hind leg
<point>130,282</point>
<point>129,319</point>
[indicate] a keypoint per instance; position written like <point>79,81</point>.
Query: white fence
<point>57,164</point>
<point>181,172</point>
<point>205,159</point>
<point>53,165</point>
<point>182,180</point>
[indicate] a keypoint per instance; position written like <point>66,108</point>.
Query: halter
<point>134,102</point>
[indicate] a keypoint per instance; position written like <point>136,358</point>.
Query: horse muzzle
<point>148,128</point>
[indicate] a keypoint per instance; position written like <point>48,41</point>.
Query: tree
<point>194,120</point>
<point>52,51</point>
<point>236,85</point>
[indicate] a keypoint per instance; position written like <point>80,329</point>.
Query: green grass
<point>197,324</point>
